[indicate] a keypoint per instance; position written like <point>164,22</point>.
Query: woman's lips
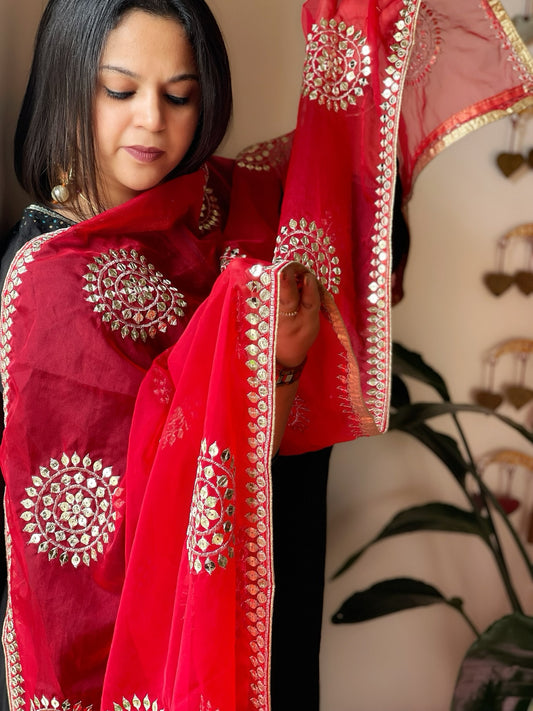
<point>144,154</point>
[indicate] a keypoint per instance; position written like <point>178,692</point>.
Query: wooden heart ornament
<point>488,399</point>
<point>524,281</point>
<point>509,163</point>
<point>508,503</point>
<point>518,395</point>
<point>498,282</point>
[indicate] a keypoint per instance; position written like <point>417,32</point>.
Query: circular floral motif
<point>131,295</point>
<point>46,704</point>
<point>210,531</point>
<point>265,155</point>
<point>229,254</point>
<point>426,45</point>
<point>210,214</point>
<point>308,244</point>
<point>337,66</point>
<point>137,704</point>
<point>69,510</point>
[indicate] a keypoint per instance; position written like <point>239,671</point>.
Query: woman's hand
<point>299,310</point>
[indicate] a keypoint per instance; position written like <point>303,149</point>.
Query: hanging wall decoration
<point>515,392</point>
<point>499,281</point>
<point>511,161</point>
<point>509,472</point>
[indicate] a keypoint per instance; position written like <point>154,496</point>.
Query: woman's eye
<point>118,94</point>
<point>177,100</point>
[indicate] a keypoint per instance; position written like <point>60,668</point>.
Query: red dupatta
<point>469,67</point>
<point>152,587</point>
<point>193,628</point>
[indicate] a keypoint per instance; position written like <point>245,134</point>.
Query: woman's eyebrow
<point>186,76</point>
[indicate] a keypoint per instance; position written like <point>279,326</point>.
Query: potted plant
<point>496,673</point>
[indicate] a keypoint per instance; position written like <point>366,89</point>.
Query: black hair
<point>54,134</point>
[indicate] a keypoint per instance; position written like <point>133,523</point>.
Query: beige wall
<point>461,206</point>
<point>18,22</point>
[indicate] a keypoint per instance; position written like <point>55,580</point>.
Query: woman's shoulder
<point>36,220</point>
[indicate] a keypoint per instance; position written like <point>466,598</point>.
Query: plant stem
<point>465,617</point>
<point>505,518</point>
<point>496,546</point>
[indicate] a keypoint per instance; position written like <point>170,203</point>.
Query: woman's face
<point>146,106</point>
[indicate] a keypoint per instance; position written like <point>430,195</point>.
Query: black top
<point>36,220</point>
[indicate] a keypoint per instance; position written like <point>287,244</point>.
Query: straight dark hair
<point>54,135</point>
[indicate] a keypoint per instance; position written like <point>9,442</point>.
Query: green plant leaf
<point>406,362</point>
<point>434,516</point>
<point>399,393</point>
<point>409,415</point>
<point>385,598</point>
<point>497,667</point>
<point>444,447</point>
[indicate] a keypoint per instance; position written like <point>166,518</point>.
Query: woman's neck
<point>82,210</point>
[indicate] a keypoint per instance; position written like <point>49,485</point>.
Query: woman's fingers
<point>299,322</point>
<point>298,288</point>
<point>310,295</point>
<point>289,295</point>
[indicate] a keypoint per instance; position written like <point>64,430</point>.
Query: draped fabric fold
<point>469,67</point>
<point>140,398</point>
<point>214,599</point>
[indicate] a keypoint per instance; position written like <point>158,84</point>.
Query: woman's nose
<point>150,114</point>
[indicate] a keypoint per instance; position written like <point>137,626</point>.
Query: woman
<point>156,581</point>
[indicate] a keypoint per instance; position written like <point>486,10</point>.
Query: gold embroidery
<point>15,687</point>
<point>255,596</point>
<point>162,386</point>
<point>45,704</point>
<point>308,244</point>
<point>175,428</point>
<point>426,48</point>
<point>138,704</point>
<point>376,372</point>
<point>131,295</point>
<point>69,510</point>
<point>210,215</point>
<point>206,705</point>
<point>263,157</point>
<point>229,254</point>
<point>9,296</point>
<point>337,65</point>
<point>510,41</point>
<point>298,415</point>
<point>210,535</point>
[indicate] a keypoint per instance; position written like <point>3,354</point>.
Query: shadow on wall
<point>18,23</point>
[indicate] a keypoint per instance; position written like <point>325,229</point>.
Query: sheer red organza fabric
<point>193,628</point>
<point>468,67</point>
<point>139,392</point>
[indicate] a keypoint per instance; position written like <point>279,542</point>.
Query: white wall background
<point>461,205</point>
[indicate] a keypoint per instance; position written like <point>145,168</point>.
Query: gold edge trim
<point>460,132</point>
<point>365,419</point>
<point>267,463</point>
<point>510,30</point>
<point>31,248</point>
<point>384,409</point>
<point>14,691</point>
<point>273,325</point>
